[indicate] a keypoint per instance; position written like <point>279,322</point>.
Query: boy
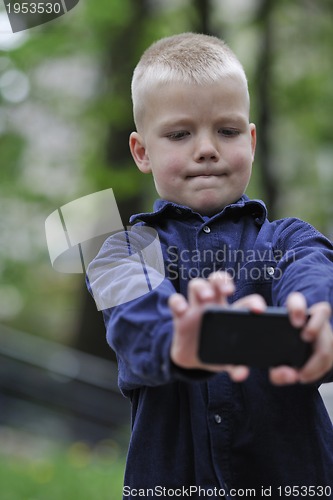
<point>202,430</point>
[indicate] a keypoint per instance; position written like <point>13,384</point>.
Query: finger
<point>283,375</point>
<point>255,303</point>
<point>200,292</point>
<point>223,286</point>
<point>178,304</point>
<point>322,359</point>
<point>237,373</point>
<point>320,313</point>
<point>297,308</point>
<point>223,280</point>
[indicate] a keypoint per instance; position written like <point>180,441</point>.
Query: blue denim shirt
<point>193,432</point>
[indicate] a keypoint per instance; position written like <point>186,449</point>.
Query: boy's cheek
<point>242,159</point>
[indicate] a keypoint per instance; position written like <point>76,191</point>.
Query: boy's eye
<point>229,132</point>
<point>177,136</point>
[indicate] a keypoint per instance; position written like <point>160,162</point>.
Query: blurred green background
<point>65,118</point>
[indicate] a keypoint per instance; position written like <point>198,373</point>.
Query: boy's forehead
<point>158,97</point>
<point>232,92</point>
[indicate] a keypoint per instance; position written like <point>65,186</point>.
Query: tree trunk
<point>90,336</point>
<point>264,84</point>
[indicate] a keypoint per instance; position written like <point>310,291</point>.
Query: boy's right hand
<point>187,319</point>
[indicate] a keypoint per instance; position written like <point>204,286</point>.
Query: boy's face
<point>198,143</point>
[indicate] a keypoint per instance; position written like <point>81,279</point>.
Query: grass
<point>77,471</point>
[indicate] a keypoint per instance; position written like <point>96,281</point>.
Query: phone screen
<point>262,340</point>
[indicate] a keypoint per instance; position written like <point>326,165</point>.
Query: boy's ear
<point>139,152</point>
<point>253,133</point>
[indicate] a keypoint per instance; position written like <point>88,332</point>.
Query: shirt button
<point>217,418</point>
<point>271,271</point>
<point>206,229</point>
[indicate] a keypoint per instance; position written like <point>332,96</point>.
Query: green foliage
<point>11,147</point>
<point>77,472</point>
<point>68,136</point>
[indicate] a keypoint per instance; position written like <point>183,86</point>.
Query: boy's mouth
<point>205,175</point>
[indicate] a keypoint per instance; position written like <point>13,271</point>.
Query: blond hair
<point>189,58</point>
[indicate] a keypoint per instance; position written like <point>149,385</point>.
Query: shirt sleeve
<point>306,266</point>
<point>306,263</point>
<point>128,283</point>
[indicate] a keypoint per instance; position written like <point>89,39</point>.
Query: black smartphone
<point>242,337</point>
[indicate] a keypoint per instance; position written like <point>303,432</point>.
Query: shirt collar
<point>163,208</point>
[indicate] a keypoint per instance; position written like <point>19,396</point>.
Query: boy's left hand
<point>317,330</point>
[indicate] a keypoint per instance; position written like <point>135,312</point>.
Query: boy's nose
<point>206,150</point>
